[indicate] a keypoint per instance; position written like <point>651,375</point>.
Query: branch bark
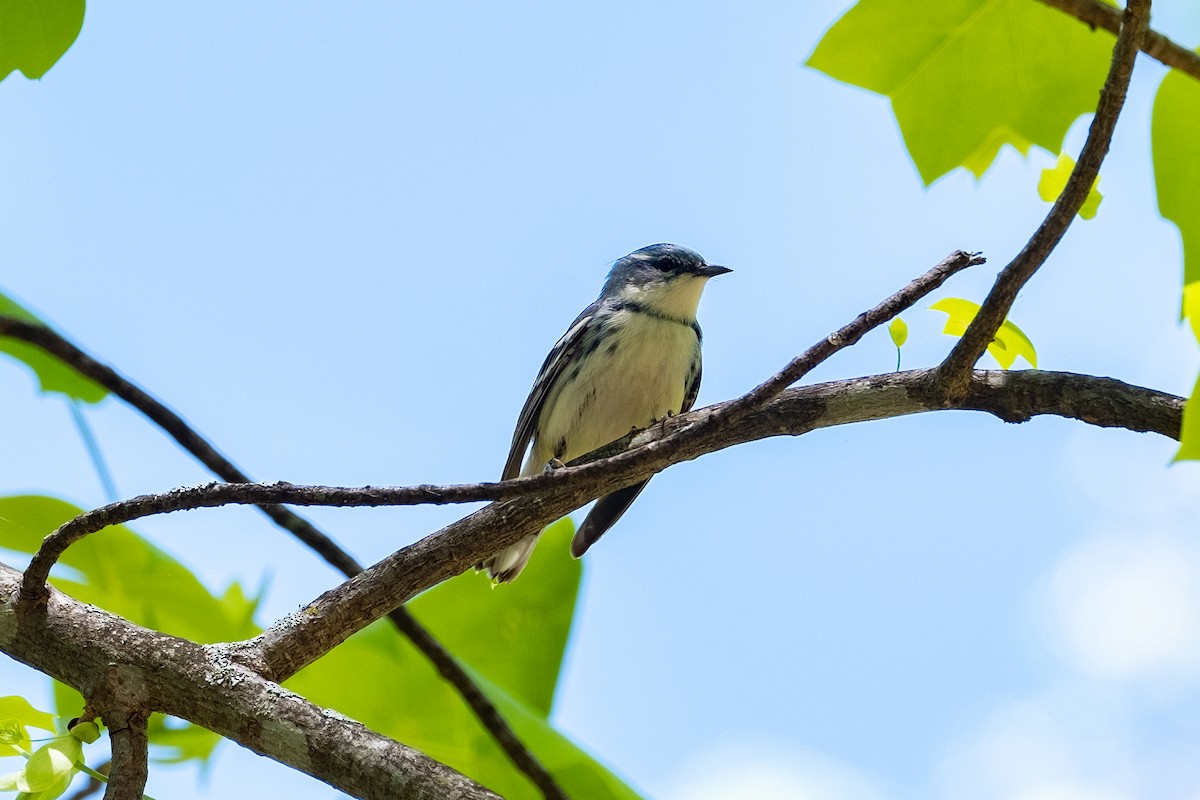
<point>954,373</point>
<point>80,644</point>
<point>130,754</point>
<point>1155,45</point>
<point>1011,396</point>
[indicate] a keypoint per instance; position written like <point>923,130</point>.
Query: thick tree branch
<point>322,544</point>
<point>954,374</point>
<point>81,645</point>
<point>1155,45</point>
<point>1012,396</point>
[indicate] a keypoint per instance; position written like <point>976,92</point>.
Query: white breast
<point>631,382</point>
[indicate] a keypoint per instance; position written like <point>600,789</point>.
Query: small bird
<point>630,359</point>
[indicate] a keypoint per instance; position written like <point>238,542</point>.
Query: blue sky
<point>341,243</point>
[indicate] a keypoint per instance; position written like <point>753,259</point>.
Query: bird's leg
<point>553,464</point>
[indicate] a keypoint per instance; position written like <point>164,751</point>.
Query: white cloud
<point>1055,750</point>
<point>743,772</point>
<point>1128,607</point>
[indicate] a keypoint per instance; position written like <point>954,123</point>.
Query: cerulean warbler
<point>629,360</point>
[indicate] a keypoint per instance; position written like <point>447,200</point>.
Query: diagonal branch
<point>1012,396</point>
<point>954,373</point>
<point>322,544</point>
<point>1155,45</point>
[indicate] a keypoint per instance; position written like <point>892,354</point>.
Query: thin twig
<point>954,373</point>
<point>195,444</point>
<point>1155,45</point>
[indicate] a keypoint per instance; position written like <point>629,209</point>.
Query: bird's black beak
<point>712,270</point>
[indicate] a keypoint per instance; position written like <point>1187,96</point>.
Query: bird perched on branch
<point>629,360</point>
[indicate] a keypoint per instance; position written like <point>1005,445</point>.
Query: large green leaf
<point>52,374</point>
<point>525,624</point>
<point>34,34</point>
<point>515,633</point>
<point>1176,148</point>
<point>968,76</point>
<point>123,573</point>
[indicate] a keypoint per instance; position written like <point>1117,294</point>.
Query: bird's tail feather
<point>506,565</point>
<point>604,515</point>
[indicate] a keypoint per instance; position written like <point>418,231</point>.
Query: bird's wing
<point>552,368</point>
<point>692,390</point>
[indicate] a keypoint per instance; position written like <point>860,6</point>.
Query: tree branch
<point>130,754</point>
<point>79,644</point>
<point>269,496</point>
<point>318,541</point>
<point>306,634</point>
<point>1155,45</point>
<point>954,373</point>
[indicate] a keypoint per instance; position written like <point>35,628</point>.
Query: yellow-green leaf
<point>1054,180</point>
<point>1010,340</point>
<point>966,77</point>
<point>34,34</point>
<point>898,330</point>
<point>20,709</point>
<point>1189,438</point>
<point>47,767</point>
<point>1176,149</point>
<point>86,732</point>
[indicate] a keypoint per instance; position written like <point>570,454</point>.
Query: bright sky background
<point>340,241</point>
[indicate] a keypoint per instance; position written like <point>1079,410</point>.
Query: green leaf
<point>47,767</point>
<point>34,34</point>
<point>120,571</point>
<point>524,624</point>
<point>516,633</point>
<point>18,708</point>
<point>1176,149</point>
<point>52,374</point>
<point>966,77</point>
<point>1053,181</point>
<point>1189,438</point>
<point>87,732</point>
<point>123,573</point>
<point>176,742</point>
<point>898,330</point>
<point>1010,340</point>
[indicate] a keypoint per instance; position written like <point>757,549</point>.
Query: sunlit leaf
<point>86,732</point>
<point>1010,341</point>
<point>47,767</point>
<point>123,573</point>
<point>34,34</point>
<point>898,330</point>
<point>1054,180</point>
<point>18,708</point>
<point>1189,438</point>
<point>966,77</point>
<point>1176,149</point>
<point>52,374</point>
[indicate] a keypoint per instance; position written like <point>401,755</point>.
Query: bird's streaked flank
<point>629,360</point>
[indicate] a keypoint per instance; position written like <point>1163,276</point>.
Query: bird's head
<point>667,278</point>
